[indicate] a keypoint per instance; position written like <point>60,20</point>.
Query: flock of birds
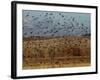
<point>47,23</point>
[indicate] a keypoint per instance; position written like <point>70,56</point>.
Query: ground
<point>56,52</point>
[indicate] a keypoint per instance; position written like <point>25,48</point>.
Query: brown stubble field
<point>69,51</point>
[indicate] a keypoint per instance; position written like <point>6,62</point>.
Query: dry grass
<point>70,51</point>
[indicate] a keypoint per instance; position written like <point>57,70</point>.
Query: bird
<point>27,15</point>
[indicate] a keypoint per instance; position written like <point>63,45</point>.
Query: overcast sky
<point>47,23</point>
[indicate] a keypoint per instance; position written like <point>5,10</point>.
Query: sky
<point>53,23</point>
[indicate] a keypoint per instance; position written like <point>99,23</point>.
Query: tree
<point>52,55</point>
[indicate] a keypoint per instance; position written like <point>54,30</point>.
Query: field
<point>56,52</point>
